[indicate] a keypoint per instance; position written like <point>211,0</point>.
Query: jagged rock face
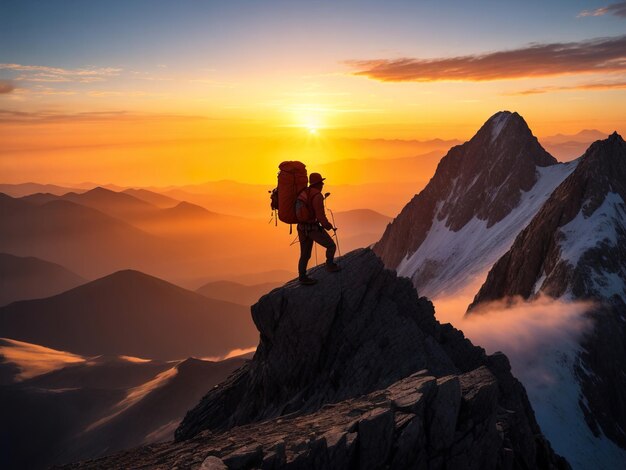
<point>575,248</point>
<point>418,422</point>
<point>483,179</point>
<point>352,334</point>
<point>589,204</point>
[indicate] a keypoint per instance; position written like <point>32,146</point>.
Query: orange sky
<point>157,95</point>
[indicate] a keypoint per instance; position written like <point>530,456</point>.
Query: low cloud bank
<point>527,332</point>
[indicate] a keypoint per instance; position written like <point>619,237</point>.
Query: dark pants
<point>307,234</point>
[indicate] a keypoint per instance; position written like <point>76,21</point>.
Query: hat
<point>315,178</point>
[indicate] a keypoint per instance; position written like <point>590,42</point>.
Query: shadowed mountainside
<point>131,313</point>
<point>31,278</point>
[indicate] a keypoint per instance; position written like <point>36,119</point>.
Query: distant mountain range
<point>31,278</point>
<point>101,231</point>
<point>131,313</point>
<point>235,292</point>
<point>570,147</point>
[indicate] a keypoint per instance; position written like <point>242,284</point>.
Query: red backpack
<point>304,207</point>
<point>292,180</point>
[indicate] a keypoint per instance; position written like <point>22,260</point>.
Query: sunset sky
<point>169,93</point>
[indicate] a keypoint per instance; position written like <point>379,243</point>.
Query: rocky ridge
<point>356,373</point>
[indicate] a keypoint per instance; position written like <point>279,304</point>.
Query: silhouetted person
<point>315,229</point>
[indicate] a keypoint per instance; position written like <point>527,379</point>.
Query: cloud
<point>40,73</point>
<point>536,60</point>
<point>8,116</point>
<point>616,9</point>
<point>6,86</point>
<point>583,87</point>
<point>230,354</point>
<point>534,335</point>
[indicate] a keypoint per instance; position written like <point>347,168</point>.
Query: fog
<point>526,331</point>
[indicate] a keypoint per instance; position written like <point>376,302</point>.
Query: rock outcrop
<point>355,372</point>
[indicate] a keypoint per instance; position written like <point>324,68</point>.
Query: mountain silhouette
<point>31,278</point>
<point>134,314</point>
<point>159,200</point>
<point>82,239</point>
<point>235,292</point>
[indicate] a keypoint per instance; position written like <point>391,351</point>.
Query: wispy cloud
<point>16,117</point>
<point>6,86</point>
<point>41,73</point>
<point>536,60</point>
<point>583,87</point>
<point>129,94</point>
<point>616,9</point>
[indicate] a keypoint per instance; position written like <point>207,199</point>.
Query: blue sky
<point>227,34</point>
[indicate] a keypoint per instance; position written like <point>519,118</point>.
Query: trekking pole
<point>334,226</point>
<point>335,234</point>
<point>326,196</point>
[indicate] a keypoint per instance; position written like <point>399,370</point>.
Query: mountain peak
<point>482,180</point>
<point>606,157</point>
<point>505,124</point>
<point>99,190</point>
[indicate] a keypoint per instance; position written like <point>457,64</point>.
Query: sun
<point>313,130</point>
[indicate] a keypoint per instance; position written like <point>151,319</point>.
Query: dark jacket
<point>316,203</point>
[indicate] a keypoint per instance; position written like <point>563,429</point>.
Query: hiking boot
<point>307,281</point>
<point>332,267</point>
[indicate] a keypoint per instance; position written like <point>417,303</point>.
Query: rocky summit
<point>355,372</point>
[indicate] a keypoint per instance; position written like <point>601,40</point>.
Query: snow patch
<point>583,233</point>
<point>607,285</point>
<point>498,124</point>
<point>539,282</point>
<point>447,261</point>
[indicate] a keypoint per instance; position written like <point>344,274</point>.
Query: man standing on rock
<point>314,228</point>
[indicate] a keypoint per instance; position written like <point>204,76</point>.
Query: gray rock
<point>375,438</point>
<point>213,463</point>
<point>442,414</point>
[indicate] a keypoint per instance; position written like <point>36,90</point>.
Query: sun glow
<point>311,118</point>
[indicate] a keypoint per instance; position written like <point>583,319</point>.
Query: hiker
<point>315,229</point>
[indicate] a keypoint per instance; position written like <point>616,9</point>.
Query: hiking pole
<point>332,215</point>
